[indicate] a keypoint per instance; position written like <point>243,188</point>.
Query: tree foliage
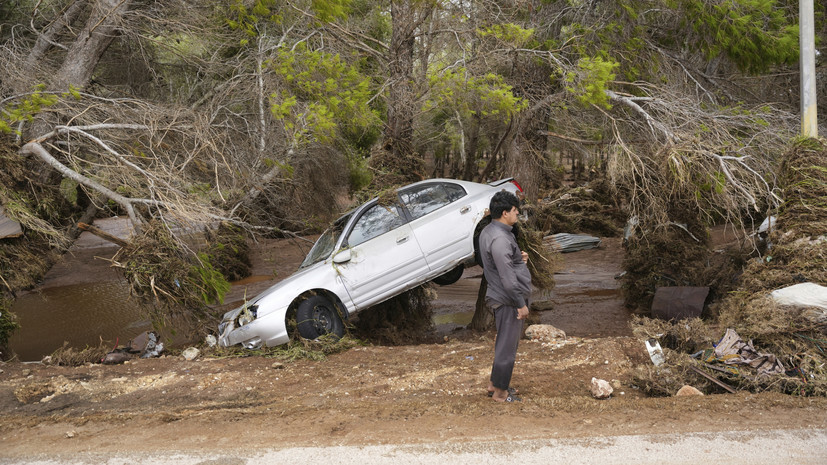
<point>754,34</point>
<point>322,95</point>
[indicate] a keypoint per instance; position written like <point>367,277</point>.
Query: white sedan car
<point>377,251</point>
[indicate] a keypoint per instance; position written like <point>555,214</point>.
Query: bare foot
<point>511,390</point>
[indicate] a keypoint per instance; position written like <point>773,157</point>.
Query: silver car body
<point>421,246</point>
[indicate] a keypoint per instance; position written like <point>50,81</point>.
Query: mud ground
<point>370,395</point>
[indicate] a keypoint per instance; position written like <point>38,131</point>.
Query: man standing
<point>509,289</point>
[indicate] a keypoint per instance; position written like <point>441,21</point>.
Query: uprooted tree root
<point>542,262</point>
<point>796,336</point>
<point>8,325</point>
<point>174,285</point>
<point>45,212</point>
<point>666,256</point>
<point>403,319</point>
<point>229,252</point>
<point>593,209</point>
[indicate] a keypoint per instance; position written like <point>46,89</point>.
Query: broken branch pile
<point>175,285</point>
<point>591,209</point>
<point>794,335</point>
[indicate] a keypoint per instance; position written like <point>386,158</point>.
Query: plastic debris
<point>802,295</point>
<point>655,351</point>
<point>767,225</point>
<point>191,353</point>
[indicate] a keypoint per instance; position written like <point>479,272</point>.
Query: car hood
<point>283,292</point>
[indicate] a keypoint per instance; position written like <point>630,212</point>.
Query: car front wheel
<point>318,316</point>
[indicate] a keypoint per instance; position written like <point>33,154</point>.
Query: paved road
<point>780,447</point>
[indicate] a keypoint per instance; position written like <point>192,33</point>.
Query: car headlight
<point>247,315</point>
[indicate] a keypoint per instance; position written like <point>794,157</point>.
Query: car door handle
<point>402,240</point>
<point>465,209</point>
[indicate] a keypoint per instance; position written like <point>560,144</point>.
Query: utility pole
<point>809,115</point>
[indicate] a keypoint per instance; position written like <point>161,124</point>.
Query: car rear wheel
<point>318,316</point>
<point>450,277</point>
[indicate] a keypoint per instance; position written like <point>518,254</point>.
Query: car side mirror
<point>342,257</point>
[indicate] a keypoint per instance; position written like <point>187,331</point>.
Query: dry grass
<point>70,356</point>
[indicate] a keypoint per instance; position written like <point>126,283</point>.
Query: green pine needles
<point>754,34</point>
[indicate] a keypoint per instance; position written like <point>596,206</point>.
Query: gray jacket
<point>509,281</point>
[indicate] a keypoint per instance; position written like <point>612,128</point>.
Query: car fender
<point>273,304</point>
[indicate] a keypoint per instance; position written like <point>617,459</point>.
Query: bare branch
<point>630,102</point>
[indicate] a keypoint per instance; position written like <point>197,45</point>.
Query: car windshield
<point>325,243</point>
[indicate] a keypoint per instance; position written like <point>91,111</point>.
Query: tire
<point>318,316</point>
<point>450,277</point>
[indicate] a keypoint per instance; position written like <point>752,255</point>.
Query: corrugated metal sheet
<point>565,242</point>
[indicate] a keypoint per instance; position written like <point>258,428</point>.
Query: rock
<point>688,390</point>
<point>544,333</point>
<point>277,366</point>
<point>210,340</point>
<point>616,384</point>
<point>601,389</point>
<point>191,353</point>
<point>542,305</point>
<point>26,372</point>
<point>115,358</point>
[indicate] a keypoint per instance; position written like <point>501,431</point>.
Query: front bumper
<point>269,330</point>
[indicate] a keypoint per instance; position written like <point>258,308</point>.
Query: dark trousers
<point>509,329</point>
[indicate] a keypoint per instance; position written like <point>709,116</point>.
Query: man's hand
<point>522,312</point>
<point>525,256</point>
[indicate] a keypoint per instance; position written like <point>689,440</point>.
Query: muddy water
<point>81,315</point>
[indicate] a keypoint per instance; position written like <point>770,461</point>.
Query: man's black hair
<point>502,202</point>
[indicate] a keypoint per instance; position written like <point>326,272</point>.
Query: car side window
<point>375,221</point>
<point>429,197</point>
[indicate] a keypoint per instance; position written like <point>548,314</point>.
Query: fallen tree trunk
<point>34,148</point>
<point>85,52</point>
<point>48,37</point>
<point>103,234</point>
